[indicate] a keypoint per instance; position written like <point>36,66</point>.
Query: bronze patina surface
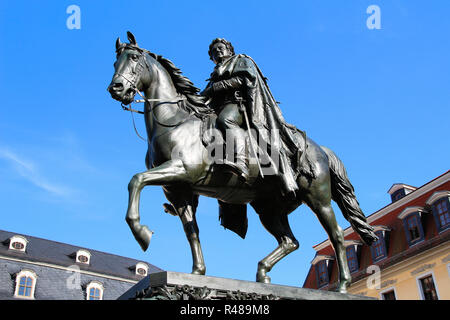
<point>184,127</point>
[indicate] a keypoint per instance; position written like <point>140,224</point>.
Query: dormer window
<point>83,256</point>
<point>379,248</point>
<point>398,191</point>
<point>141,269</point>
<point>353,254</point>
<point>322,264</point>
<point>412,221</point>
<point>440,207</point>
<point>18,243</point>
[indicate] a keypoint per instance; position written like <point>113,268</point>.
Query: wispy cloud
<point>28,170</point>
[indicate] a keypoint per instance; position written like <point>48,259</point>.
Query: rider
<point>238,75</point>
<point>223,88</point>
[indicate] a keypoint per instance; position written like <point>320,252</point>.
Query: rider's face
<point>220,52</point>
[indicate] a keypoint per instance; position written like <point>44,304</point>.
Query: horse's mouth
<point>125,98</point>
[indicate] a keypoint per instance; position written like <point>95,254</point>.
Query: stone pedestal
<point>183,286</point>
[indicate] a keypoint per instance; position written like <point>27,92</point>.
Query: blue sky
<point>379,98</point>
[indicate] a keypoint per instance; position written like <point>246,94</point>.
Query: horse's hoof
<point>200,270</point>
<point>263,278</point>
<point>342,287</point>
<point>341,290</point>
<point>143,237</point>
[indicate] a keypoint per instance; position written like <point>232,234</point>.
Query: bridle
<point>136,74</point>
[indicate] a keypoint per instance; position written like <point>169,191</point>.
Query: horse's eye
<point>134,57</point>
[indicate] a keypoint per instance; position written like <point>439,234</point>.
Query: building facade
<point>411,259</point>
<point>35,268</point>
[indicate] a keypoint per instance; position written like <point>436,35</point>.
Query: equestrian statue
<point>230,142</point>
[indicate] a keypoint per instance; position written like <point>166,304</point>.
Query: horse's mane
<point>195,103</point>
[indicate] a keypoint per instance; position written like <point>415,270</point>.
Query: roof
<point>62,254</point>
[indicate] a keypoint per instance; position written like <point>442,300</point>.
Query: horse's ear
<point>131,38</point>
<point>118,43</point>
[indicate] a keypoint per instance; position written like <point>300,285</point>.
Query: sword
<point>244,110</point>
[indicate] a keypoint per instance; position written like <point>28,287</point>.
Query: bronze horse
<point>177,160</point>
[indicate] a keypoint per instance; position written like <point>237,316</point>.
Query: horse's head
<point>131,71</point>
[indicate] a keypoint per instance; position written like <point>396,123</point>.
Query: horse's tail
<point>344,194</point>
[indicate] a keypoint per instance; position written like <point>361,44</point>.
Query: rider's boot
<point>240,166</point>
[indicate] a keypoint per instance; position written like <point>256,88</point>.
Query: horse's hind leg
<point>277,224</point>
<point>169,172</point>
<point>318,198</point>
<point>185,205</point>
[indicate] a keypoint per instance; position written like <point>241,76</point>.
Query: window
<point>413,227</point>
<point>94,294</point>
<point>389,295</point>
<point>378,248</point>
<point>439,202</point>
<point>141,269</point>
<point>83,256</point>
<point>322,273</point>
<point>429,291</point>
<point>25,284</point>
<point>352,259</point>
<point>322,265</point>
<point>83,259</point>
<point>412,222</point>
<point>397,195</point>
<point>94,291</point>
<point>442,213</point>
<point>18,243</point>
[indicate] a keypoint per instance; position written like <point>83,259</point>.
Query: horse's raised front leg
<point>169,172</point>
<point>185,204</point>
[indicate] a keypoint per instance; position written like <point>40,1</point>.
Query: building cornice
<point>68,269</point>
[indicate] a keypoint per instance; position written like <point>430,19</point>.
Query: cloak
<point>265,116</point>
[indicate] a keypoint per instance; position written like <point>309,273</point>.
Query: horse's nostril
<point>115,87</point>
